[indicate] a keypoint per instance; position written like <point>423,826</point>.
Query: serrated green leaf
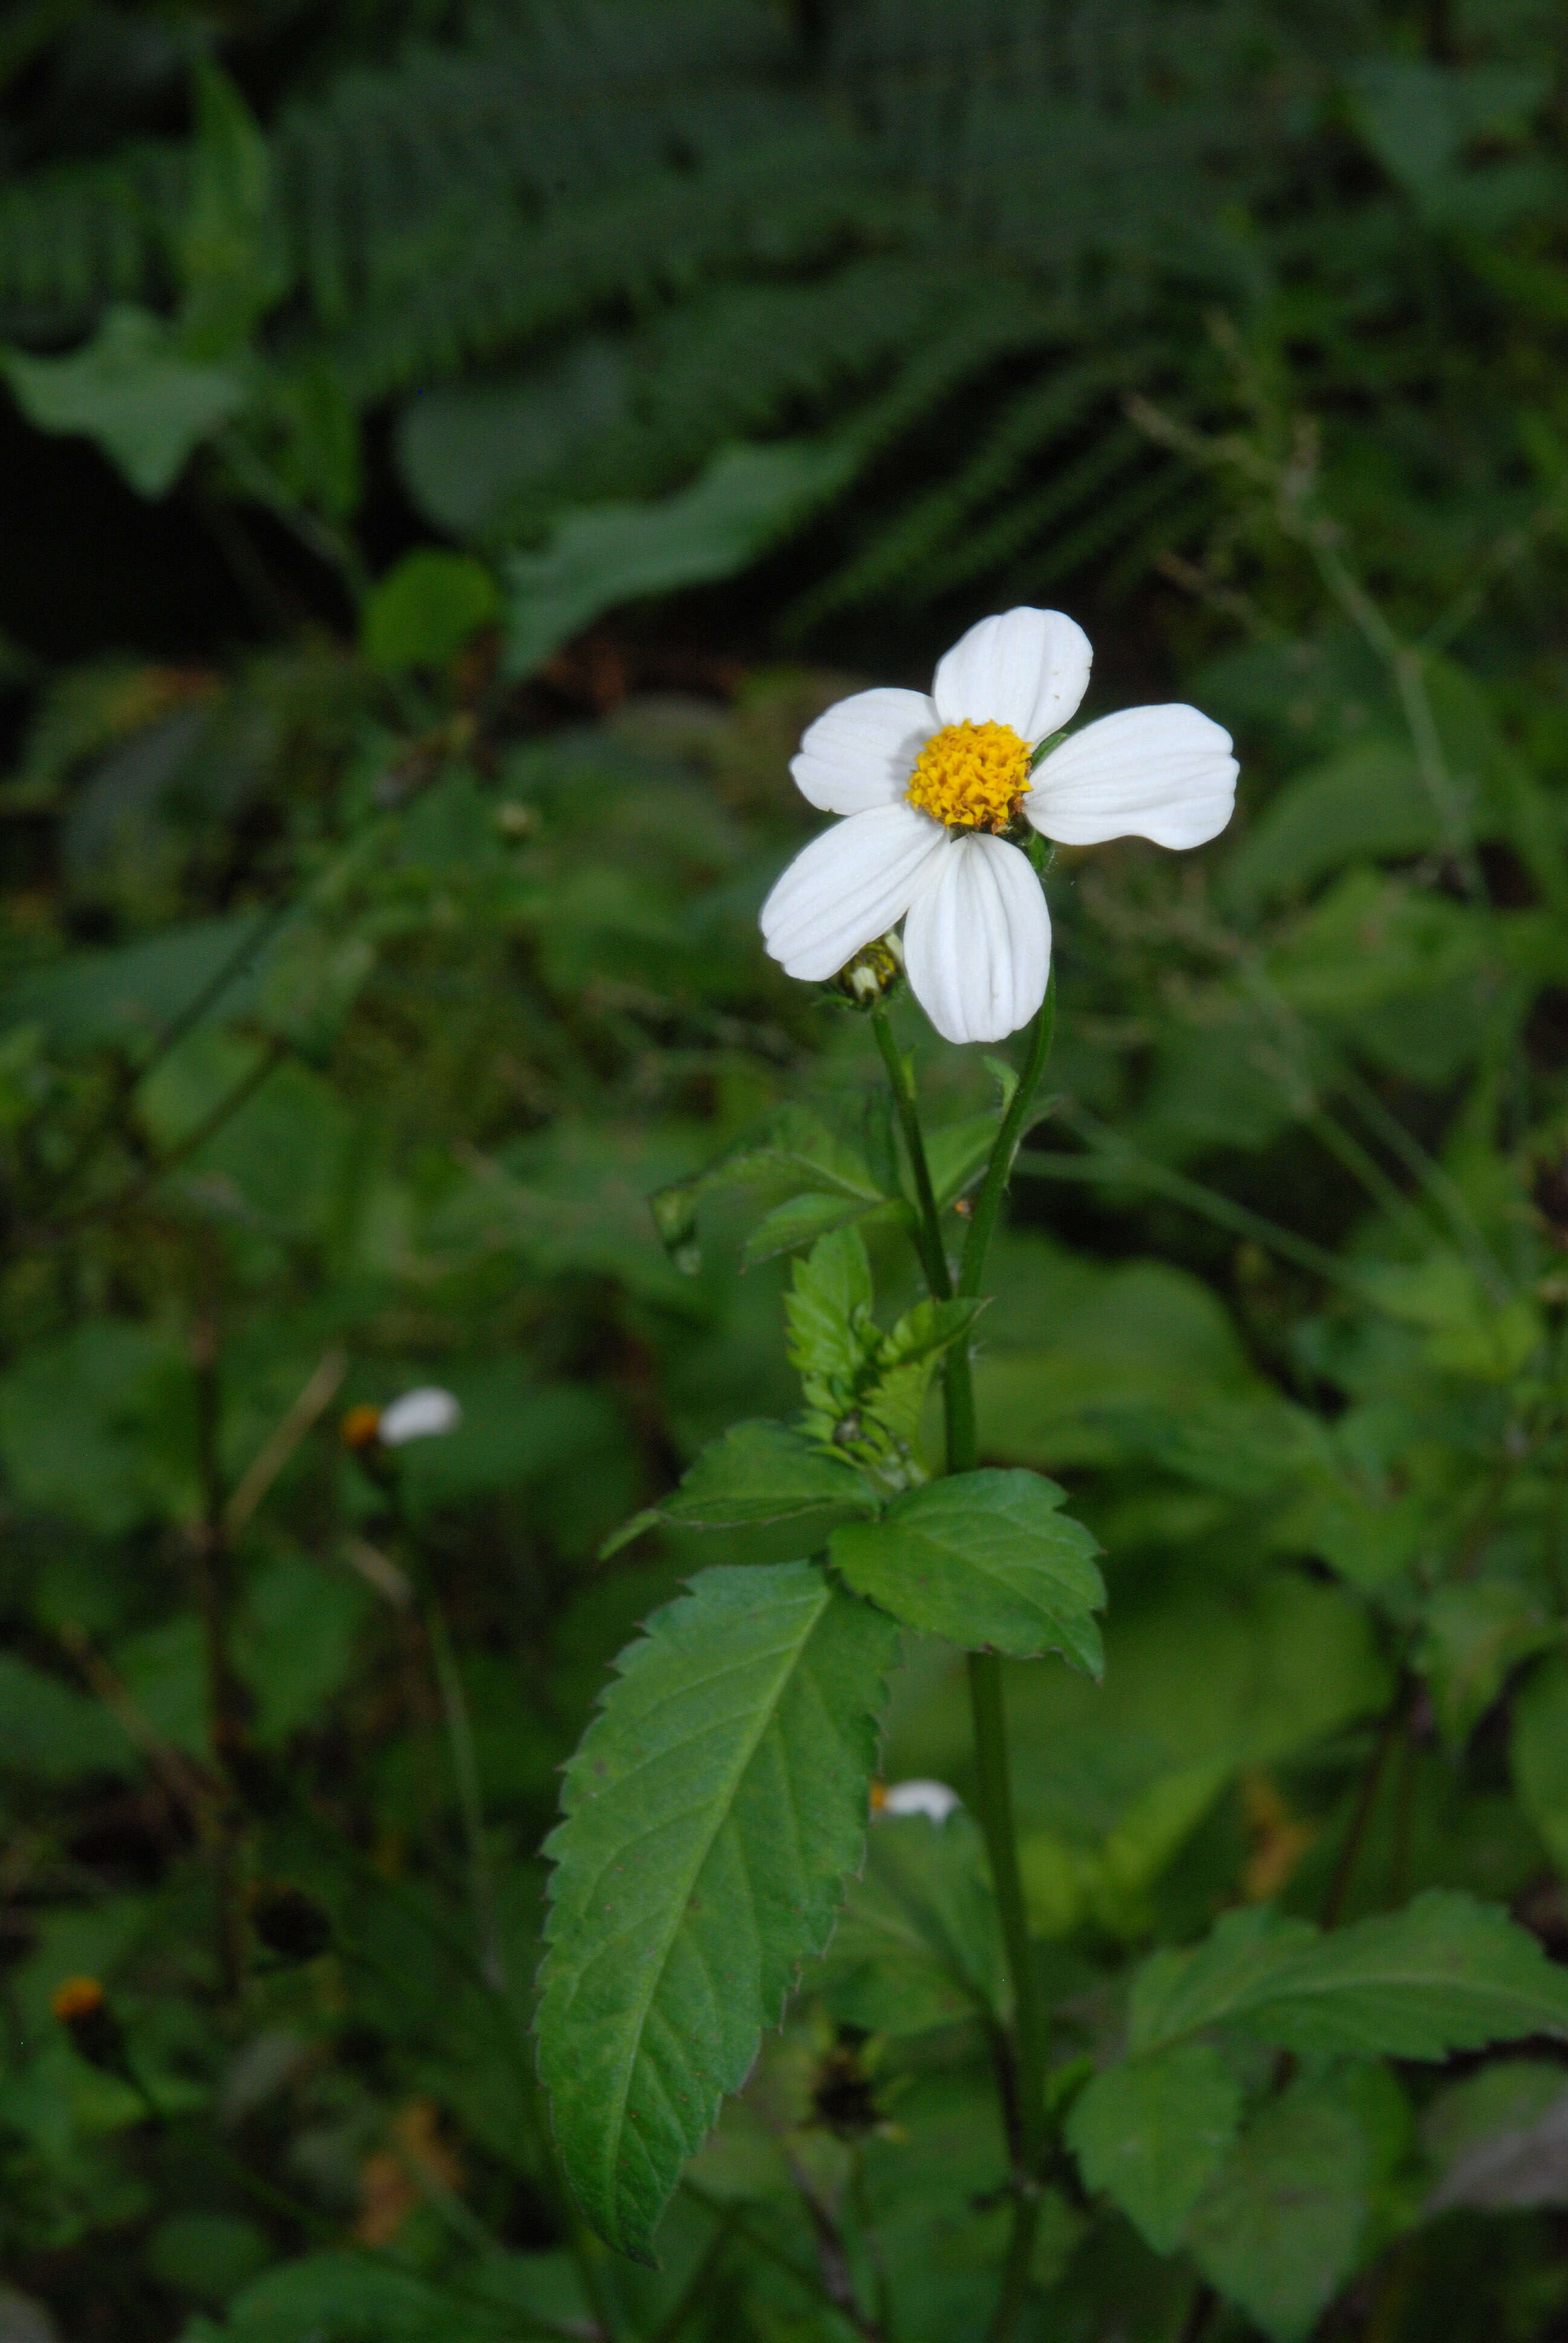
<point>1152,2132</point>
<point>986,1559</point>
<point>712,1811</point>
<point>1278,2229</point>
<point>1445,1973</point>
<point>758,1474</point>
<point>828,1309</point>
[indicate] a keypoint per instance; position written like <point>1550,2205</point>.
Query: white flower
<point>420,1415</point>
<point>927,786</point>
<point>932,1799</point>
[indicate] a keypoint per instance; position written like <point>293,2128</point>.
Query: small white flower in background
<point>932,1799</point>
<point>420,1415</point>
<point>926,787</point>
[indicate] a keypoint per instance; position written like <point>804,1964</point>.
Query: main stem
<point>992,1766</point>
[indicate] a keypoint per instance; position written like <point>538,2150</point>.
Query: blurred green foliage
<point>366,967</point>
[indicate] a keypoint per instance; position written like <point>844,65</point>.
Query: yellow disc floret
<point>971,776</point>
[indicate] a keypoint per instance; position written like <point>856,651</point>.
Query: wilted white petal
<point>861,751</point>
<point>933,1799</point>
<point>1029,669</point>
<point>848,887</point>
<point>1164,773</point>
<point>977,942</point>
<point>418,1415</point>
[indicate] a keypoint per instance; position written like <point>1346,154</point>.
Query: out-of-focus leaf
<point>604,555</point>
<point>133,391</point>
<point>49,1731</point>
<point>98,1426</point>
<point>1365,804</point>
<point>919,1944</point>
<point>1278,2230</point>
<point>424,610</point>
<point>1445,1974</point>
<point>1475,1634</point>
<point>1153,2131</point>
<point>1538,1753</point>
<point>1499,2138</point>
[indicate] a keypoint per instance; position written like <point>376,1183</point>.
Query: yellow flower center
<point>971,776</point>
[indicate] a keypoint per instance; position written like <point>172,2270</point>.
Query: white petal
<point>1164,773</point>
<point>848,887</point>
<point>421,1415</point>
<point>1029,669</point>
<point>863,750</point>
<point>933,1799</point>
<point>977,942</point>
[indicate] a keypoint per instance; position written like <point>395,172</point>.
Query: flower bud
<point>875,971</point>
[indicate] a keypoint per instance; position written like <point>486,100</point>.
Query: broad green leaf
<point>1153,2131</point>
<point>603,555</point>
<point>50,1731</point>
<point>711,1813</point>
<point>758,1474</point>
<point>919,1944</point>
<point>1445,1973</point>
<point>1278,2230</point>
<point>986,1559</point>
<point>425,609</point>
<point>133,391</point>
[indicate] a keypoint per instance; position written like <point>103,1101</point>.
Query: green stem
<point>1016,2268</point>
<point>992,1766</point>
<point>1015,1123</point>
<point>465,1774</point>
<point>929,1226</point>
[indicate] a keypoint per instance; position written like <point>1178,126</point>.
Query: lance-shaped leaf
<point>756,1475</point>
<point>985,1558</point>
<point>712,1811</point>
<point>1152,2132</point>
<point>1445,1973</point>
